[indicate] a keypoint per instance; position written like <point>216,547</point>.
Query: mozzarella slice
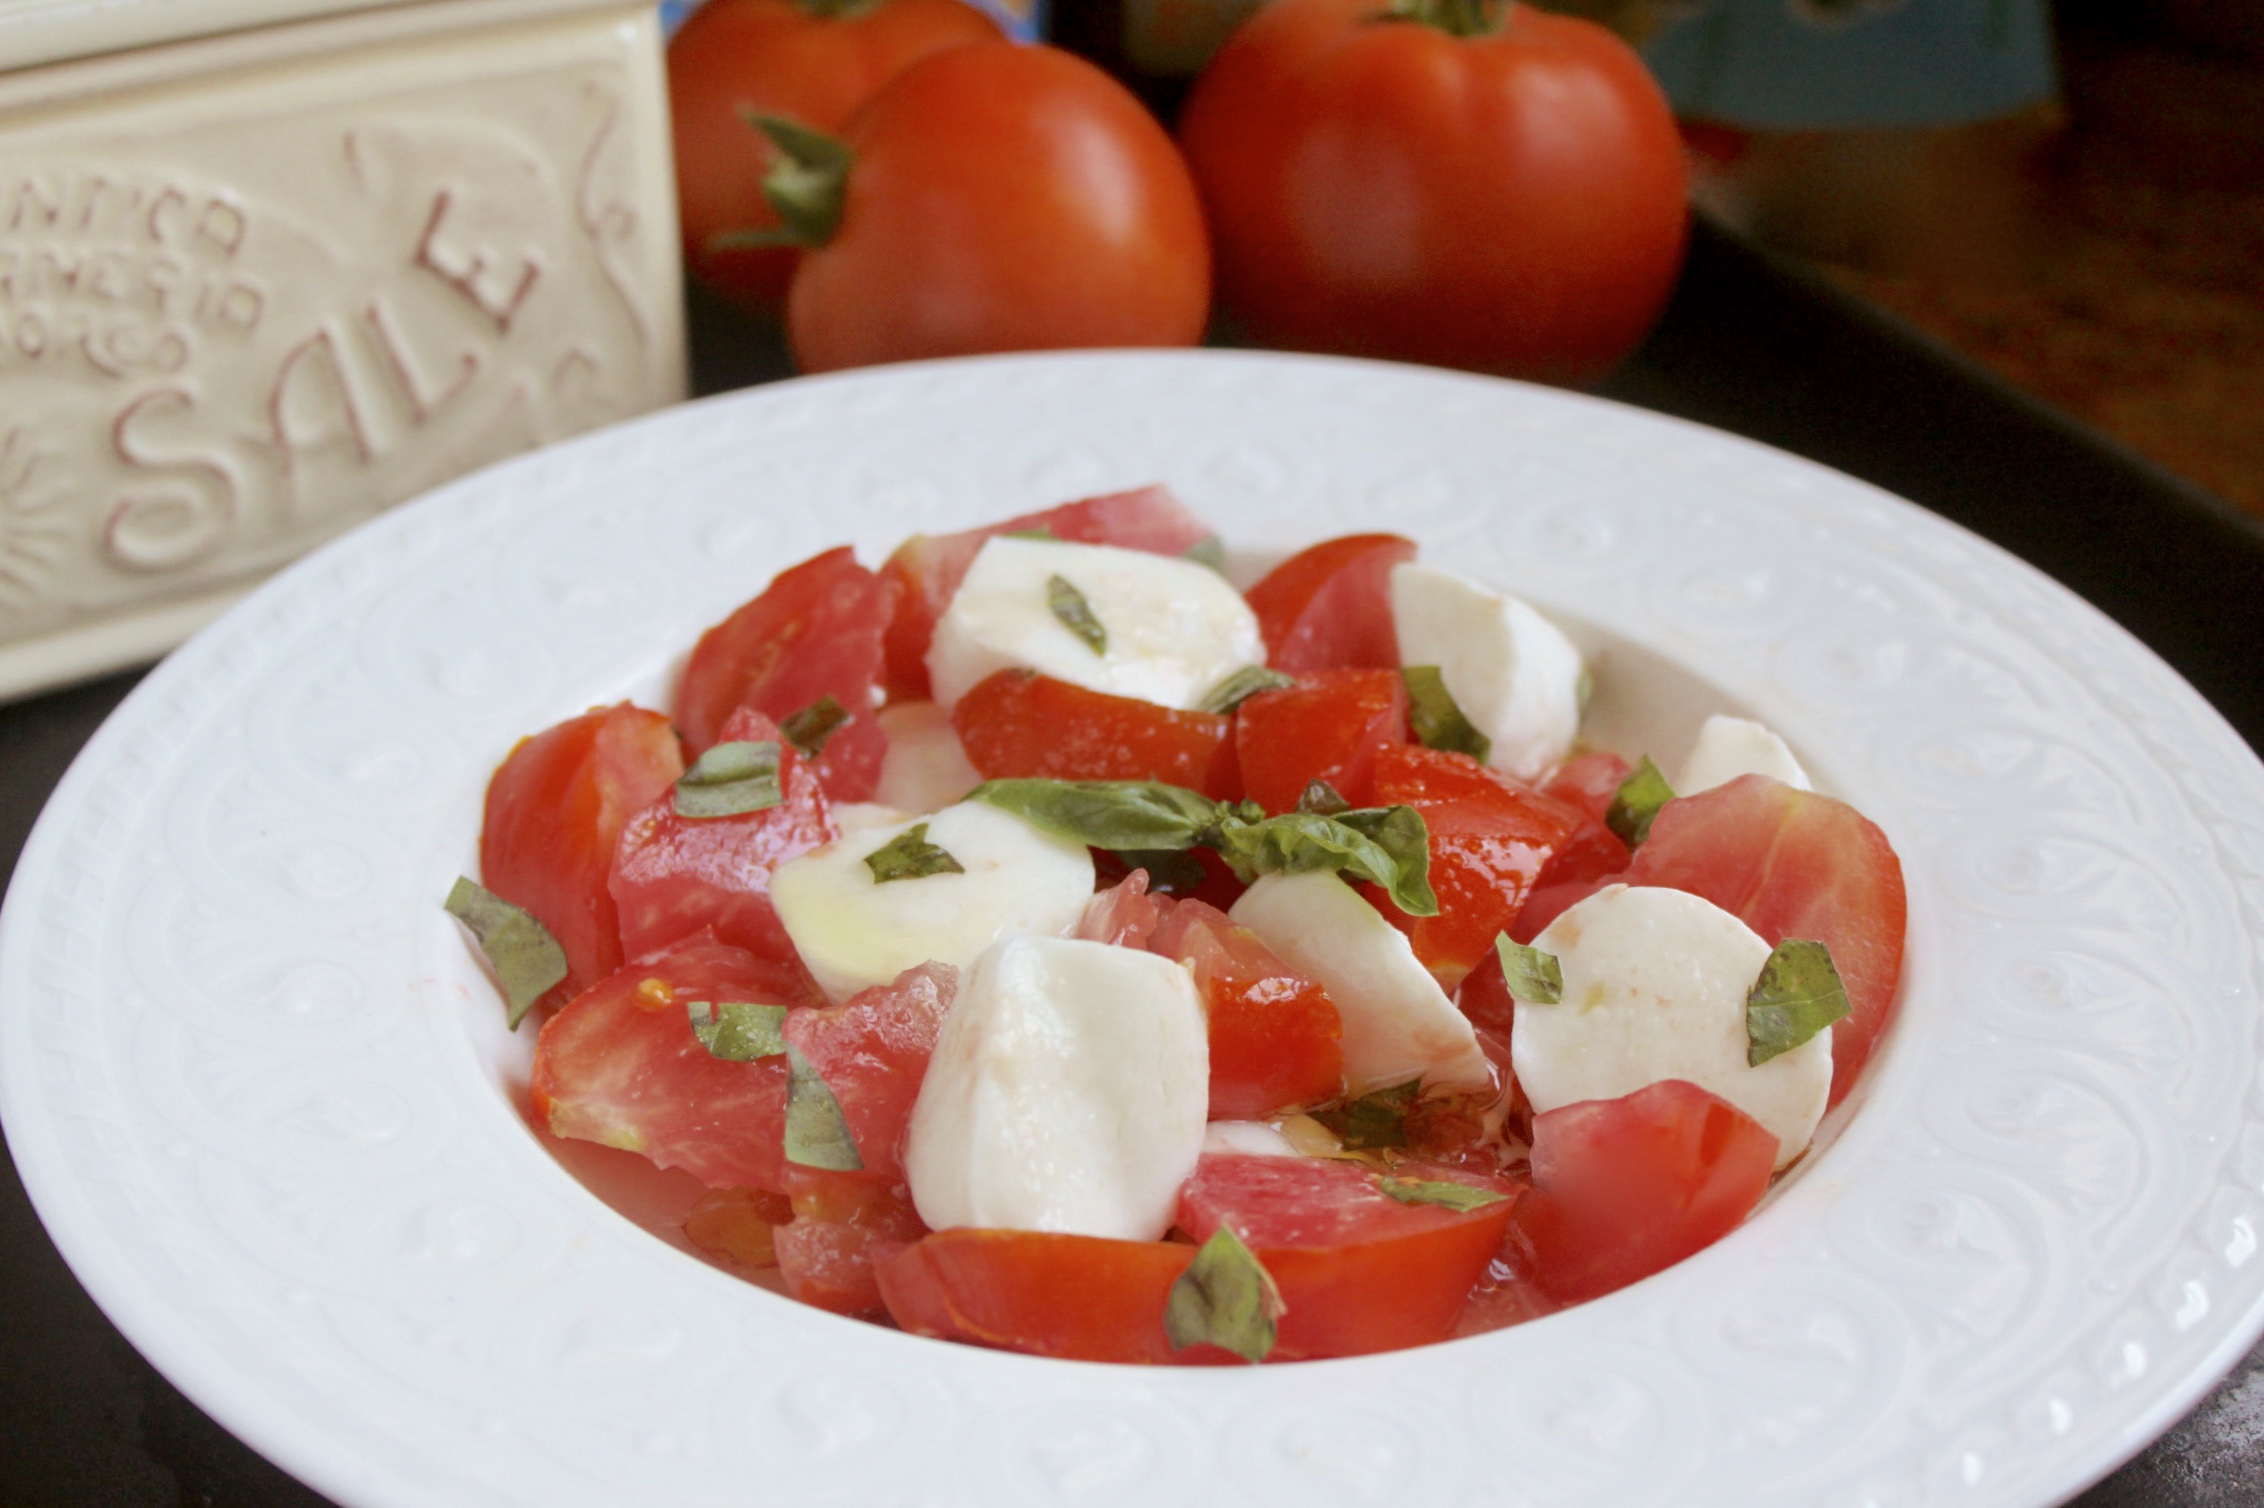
<point>925,768</point>
<point>1655,983</point>
<point>1254,1138</point>
<point>855,932</point>
<point>1513,672</point>
<point>1728,747</point>
<point>853,817</point>
<point>1066,1093</point>
<point>1398,1023</point>
<point>1174,629</point>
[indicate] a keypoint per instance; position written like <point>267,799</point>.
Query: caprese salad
<point>1040,943</point>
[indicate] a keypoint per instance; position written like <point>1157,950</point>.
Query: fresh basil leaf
<point>810,729</point>
<point>817,1136</point>
<point>1210,551</point>
<point>1635,805</point>
<point>730,780</point>
<point>1040,532</point>
<point>1532,975</point>
<point>1226,1298</point>
<point>1076,614</point>
<point>1171,871</point>
<point>527,960</point>
<point>1119,815</point>
<point>1798,995</point>
<point>1374,1121</point>
<point>1322,799</point>
<point>1241,686</point>
<point>1385,845</point>
<point>738,1031</point>
<point>910,856</point>
<point>1438,719</point>
<point>1459,1197</point>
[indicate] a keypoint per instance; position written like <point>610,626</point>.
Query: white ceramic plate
<point>263,1099</point>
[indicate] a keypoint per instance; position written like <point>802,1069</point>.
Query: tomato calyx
<point>1457,18</point>
<point>805,185</point>
<point>838,10</point>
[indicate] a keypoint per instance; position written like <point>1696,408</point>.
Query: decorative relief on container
<point>241,315</point>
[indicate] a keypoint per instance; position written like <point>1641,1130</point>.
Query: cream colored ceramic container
<point>267,267</point>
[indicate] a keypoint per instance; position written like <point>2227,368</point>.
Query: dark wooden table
<point>1750,345</point>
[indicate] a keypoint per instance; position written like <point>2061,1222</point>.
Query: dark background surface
<point>1750,345</point>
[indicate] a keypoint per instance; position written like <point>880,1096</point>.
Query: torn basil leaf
<point>1119,815</point>
<point>526,959</point>
<point>1241,686</point>
<point>1459,1197</point>
<point>817,1136</point>
<point>1225,1298</point>
<point>730,780</point>
<point>1798,995</point>
<point>1636,803</point>
<point>810,729</point>
<point>1373,1122</point>
<point>738,1031</point>
<point>1387,846</point>
<point>1438,719</point>
<point>1076,614</point>
<point>910,856</point>
<point>1532,975</point>
<point>1040,532</point>
<point>1322,799</point>
<point>1210,551</point>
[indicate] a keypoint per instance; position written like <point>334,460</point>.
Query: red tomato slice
<point>675,876</point>
<point>929,568</point>
<point>872,1051</point>
<point>1276,1040</point>
<point>1791,863</point>
<point>1081,1298</point>
<point>1328,607</point>
<point>1330,726</point>
<point>1018,723</point>
<point>1124,915</point>
<point>619,1065</point>
<point>1624,1188</point>
<point>844,1225</point>
<point>1492,842</point>
<point>814,632</point>
<point>1359,1270</point>
<point>1588,780</point>
<point>555,810</point>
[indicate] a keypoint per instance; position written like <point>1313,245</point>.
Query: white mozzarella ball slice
<point>854,931</point>
<point>1252,1138</point>
<point>1728,747</point>
<point>1174,629</point>
<point>853,817</point>
<point>1067,1093</point>
<point>1513,672</point>
<point>1398,1023</point>
<point>1655,984</point>
<point>925,768</point>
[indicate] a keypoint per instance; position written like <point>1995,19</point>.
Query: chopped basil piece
<point>1374,1121</point>
<point>1171,871</point>
<point>730,780</point>
<point>1322,799</point>
<point>1798,995</point>
<point>526,959</point>
<point>1437,718</point>
<point>1388,846</point>
<point>1040,532</point>
<point>1241,686</point>
<point>1532,975</point>
<point>1119,815</point>
<point>910,856</point>
<point>1225,1298</point>
<point>1076,614</point>
<point>1210,551</point>
<point>1459,1197</point>
<point>810,729</point>
<point>816,1134</point>
<point>1636,803</point>
<point>738,1031</point>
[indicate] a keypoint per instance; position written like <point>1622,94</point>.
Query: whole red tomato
<point>1003,198</point>
<point>1450,182</point>
<point>814,61</point>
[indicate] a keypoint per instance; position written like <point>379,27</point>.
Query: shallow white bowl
<point>263,1099</point>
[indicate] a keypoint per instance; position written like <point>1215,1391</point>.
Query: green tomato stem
<point>806,185</point>
<point>1457,18</point>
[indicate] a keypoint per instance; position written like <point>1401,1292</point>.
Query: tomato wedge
<point>620,1065</point>
<point>872,1051</point>
<point>1588,780</point>
<point>1331,726</point>
<point>1625,1188</point>
<point>555,810</point>
<point>1276,1040</point>
<point>1018,723</point>
<point>1124,915</point>
<point>814,632</point>
<point>1791,863</point>
<point>1328,607</point>
<point>1359,1270</point>
<point>928,568</point>
<point>844,1225</point>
